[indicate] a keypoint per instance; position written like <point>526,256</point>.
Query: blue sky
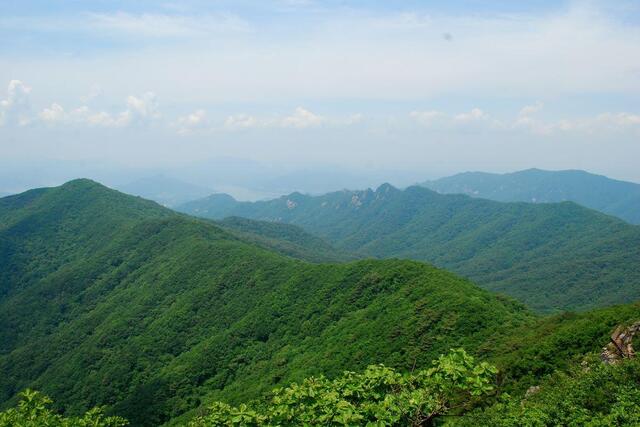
<point>419,86</point>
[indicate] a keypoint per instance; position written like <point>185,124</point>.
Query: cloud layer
<point>144,110</point>
<point>414,84</point>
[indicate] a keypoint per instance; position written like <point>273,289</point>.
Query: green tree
<point>379,396</point>
<point>33,411</point>
<point>591,394</point>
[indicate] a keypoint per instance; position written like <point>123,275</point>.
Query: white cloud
<point>139,110</point>
<point>104,119</point>
<point>527,121</point>
<point>142,109</point>
<point>427,117</point>
<point>53,114</point>
<point>163,26</point>
<point>16,108</point>
<point>189,123</point>
<point>580,49</point>
<point>242,121</point>
<point>620,119</point>
<point>604,123</point>
<point>302,118</point>
<point>438,119</point>
<point>56,115</point>
<point>475,114</point>
<point>528,110</point>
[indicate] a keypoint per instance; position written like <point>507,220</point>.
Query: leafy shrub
<point>33,411</point>
<point>591,394</point>
<point>379,396</point>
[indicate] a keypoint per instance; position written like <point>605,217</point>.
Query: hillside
<point>109,299</point>
<point>286,239</point>
<point>613,197</point>
<point>550,256</point>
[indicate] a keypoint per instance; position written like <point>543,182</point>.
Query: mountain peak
<point>386,188</point>
<point>82,183</point>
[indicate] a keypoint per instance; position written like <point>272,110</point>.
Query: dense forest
<point>550,256</point>
<point>273,213</point>
<point>115,308</point>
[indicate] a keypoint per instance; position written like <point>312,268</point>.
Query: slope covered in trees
<point>548,373</point>
<point>286,239</point>
<point>573,387</point>
<point>108,299</point>
<point>551,256</point>
<point>598,192</point>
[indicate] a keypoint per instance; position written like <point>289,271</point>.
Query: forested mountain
<point>550,256</point>
<point>551,372</point>
<point>108,299</point>
<point>598,192</point>
<point>165,190</point>
<point>286,239</point>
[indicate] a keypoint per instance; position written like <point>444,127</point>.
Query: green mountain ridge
<point>610,196</point>
<point>109,299</point>
<point>285,239</point>
<point>551,256</point>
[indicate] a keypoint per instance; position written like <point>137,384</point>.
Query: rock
<point>291,204</point>
<point>531,391</point>
<point>620,346</point>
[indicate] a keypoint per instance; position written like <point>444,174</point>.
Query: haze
<point>257,98</point>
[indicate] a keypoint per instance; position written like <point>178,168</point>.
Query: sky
<point>396,91</point>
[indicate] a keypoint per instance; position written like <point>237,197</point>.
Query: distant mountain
<point>317,181</point>
<point>551,256</point>
<point>598,192</point>
<point>4,194</point>
<point>110,299</point>
<point>165,190</point>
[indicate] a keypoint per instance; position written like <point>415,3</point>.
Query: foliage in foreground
<point>379,396</point>
<point>33,411</point>
<point>591,394</point>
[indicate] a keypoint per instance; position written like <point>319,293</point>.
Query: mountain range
<point>114,300</point>
<point>551,256</point>
<point>110,299</point>
<point>618,198</point>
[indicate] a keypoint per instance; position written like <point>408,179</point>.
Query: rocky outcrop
<point>620,346</point>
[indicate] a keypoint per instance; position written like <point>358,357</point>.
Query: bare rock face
<point>620,346</point>
<point>531,391</point>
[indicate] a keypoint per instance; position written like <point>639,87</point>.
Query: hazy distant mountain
<point>321,181</point>
<point>610,196</point>
<point>165,190</point>
<point>551,256</point>
<point>3,194</point>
